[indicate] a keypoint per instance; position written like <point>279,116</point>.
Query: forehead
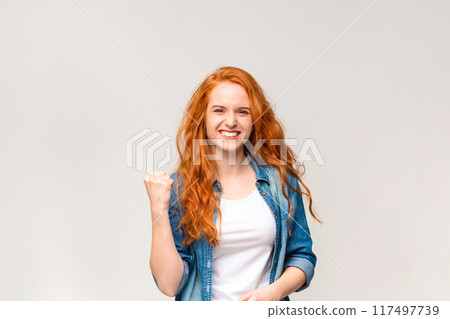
<point>228,94</point>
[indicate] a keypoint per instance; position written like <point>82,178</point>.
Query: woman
<point>236,226</point>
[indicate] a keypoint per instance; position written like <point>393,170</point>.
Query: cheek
<point>211,125</point>
<point>212,122</point>
<point>209,130</point>
<point>248,127</point>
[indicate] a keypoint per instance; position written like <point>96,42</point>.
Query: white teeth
<point>229,134</point>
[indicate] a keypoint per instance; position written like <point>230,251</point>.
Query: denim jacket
<point>295,250</point>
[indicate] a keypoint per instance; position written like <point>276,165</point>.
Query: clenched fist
<point>158,188</point>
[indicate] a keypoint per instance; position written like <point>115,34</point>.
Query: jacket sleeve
<point>186,253</point>
<point>299,246</point>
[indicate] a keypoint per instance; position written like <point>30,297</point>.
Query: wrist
<point>276,290</point>
<point>158,209</point>
<point>158,212</point>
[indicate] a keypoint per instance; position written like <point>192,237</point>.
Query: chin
<point>233,149</point>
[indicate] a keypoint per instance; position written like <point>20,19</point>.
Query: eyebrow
<point>240,107</point>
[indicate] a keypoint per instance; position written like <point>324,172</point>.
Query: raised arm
<point>166,263</point>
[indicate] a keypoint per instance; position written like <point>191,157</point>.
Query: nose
<point>231,120</point>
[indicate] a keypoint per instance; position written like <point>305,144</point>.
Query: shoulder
<point>273,174</point>
<point>292,180</point>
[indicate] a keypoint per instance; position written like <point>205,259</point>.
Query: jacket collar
<point>260,168</point>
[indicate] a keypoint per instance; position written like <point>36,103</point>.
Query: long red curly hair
<point>199,200</point>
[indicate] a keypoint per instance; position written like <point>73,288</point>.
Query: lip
<point>230,137</point>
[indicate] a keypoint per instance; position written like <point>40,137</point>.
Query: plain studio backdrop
<point>366,81</point>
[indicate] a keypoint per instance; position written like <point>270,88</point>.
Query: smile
<point>229,134</point>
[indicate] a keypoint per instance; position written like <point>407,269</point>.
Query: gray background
<point>370,87</point>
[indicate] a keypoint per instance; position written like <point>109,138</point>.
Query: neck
<point>230,164</point>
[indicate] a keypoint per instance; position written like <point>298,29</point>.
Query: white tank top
<point>242,260</point>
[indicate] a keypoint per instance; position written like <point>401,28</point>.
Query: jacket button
<point>278,237</point>
<point>264,193</point>
<point>275,261</point>
<point>276,213</point>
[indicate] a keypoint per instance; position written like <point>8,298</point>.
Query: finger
<point>168,184</point>
<point>159,173</point>
<point>252,298</point>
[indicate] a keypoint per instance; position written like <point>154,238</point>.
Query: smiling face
<point>228,117</point>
